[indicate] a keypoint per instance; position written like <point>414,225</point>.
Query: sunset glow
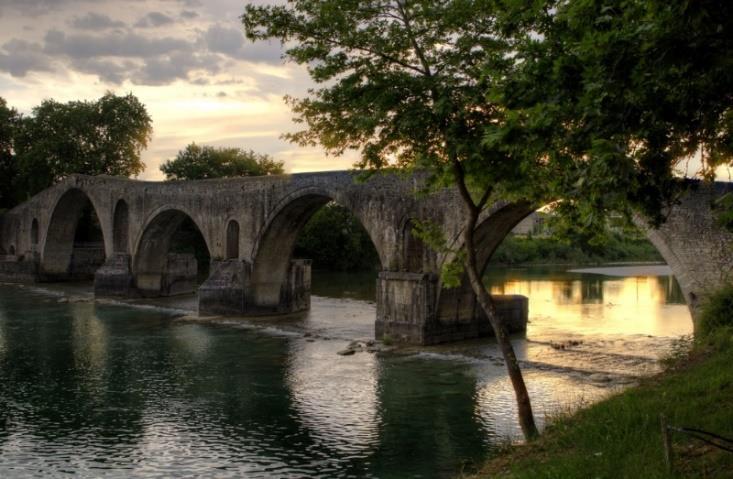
<point>186,60</point>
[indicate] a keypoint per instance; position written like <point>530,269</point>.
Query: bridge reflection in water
<point>599,304</point>
<point>94,388</point>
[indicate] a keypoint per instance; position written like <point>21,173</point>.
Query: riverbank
<point>621,436</point>
<point>526,250</point>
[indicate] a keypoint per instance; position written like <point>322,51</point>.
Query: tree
<point>335,240</point>
<point>103,137</point>
<point>404,82</point>
<point>8,167</point>
<point>617,94</point>
<point>203,162</point>
<point>586,104</point>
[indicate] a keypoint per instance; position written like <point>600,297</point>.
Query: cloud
<point>167,69</point>
<point>154,19</point>
<point>116,44</point>
<point>34,7</point>
<point>118,56</point>
<point>189,14</point>
<point>95,21</point>
<point>18,57</point>
<point>107,70</point>
<point>231,42</point>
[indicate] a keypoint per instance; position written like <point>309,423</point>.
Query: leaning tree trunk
<point>524,406</point>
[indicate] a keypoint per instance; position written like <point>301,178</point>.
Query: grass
<point>620,437</point>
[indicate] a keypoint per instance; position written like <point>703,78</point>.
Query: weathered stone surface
<point>250,226</point>
<point>224,292</point>
<point>18,269</point>
<point>85,262</point>
<point>114,277</point>
<point>407,310</point>
<point>698,250</point>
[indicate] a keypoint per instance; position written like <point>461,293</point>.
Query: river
<point>115,390</point>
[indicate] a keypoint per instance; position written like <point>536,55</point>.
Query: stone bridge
<point>250,225</point>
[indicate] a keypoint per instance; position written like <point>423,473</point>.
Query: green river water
<point>115,390</point>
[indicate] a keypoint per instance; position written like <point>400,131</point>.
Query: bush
<point>717,313</point>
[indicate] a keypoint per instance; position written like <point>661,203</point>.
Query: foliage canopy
<point>102,137</point>
<point>591,103</point>
<point>617,94</point>
<point>197,162</point>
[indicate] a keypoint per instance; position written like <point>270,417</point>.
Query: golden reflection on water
<point>90,339</point>
<point>619,326</point>
<point>632,305</point>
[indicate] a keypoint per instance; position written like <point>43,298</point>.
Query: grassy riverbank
<point>621,436</point>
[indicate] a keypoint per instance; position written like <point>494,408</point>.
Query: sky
<point>186,60</point>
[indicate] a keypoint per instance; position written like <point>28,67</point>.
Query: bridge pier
<point>412,308</point>
<point>114,277</point>
<point>231,289</point>
<point>179,276</point>
<point>20,269</point>
<point>225,290</point>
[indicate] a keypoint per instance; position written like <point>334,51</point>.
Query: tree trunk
<point>524,407</point>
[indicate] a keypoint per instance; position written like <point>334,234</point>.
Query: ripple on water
<point>113,391</point>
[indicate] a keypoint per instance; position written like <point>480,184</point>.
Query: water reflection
<point>428,418</point>
<point>89,339</point>
<point>336,400</point>
<point>116,391</point>
<point>596,304</point>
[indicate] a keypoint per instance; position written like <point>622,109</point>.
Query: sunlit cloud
<point>187,61</point>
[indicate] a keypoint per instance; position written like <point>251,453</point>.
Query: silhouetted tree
<point>103,137</point>
<point>8,167</point>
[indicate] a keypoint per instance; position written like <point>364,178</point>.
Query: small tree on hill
<point>8,168</point>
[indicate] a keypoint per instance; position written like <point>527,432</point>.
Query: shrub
<point>717,312</point>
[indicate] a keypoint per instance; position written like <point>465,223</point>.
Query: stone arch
<point>121,227</point>
<point>34,234</point>
<point>668,240</point>
<point>272,254</point>
<point>232,240</point>
<point>458,306</point>
<point>156,271</point>
<point>63,257</point>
